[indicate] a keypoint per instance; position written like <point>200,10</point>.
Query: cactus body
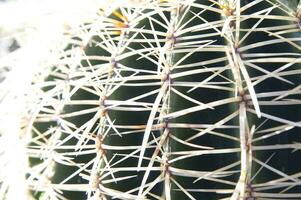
<point>163,99</point>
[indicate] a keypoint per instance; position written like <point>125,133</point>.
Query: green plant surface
<point>160,100</point>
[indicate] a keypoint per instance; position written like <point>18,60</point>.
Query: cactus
<point>153,99</point>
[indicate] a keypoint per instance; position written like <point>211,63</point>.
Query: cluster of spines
<point>114,36</point>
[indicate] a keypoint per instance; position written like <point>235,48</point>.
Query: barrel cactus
<point>152,99</point>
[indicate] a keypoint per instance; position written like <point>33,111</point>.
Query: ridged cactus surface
<point>156,100</point>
